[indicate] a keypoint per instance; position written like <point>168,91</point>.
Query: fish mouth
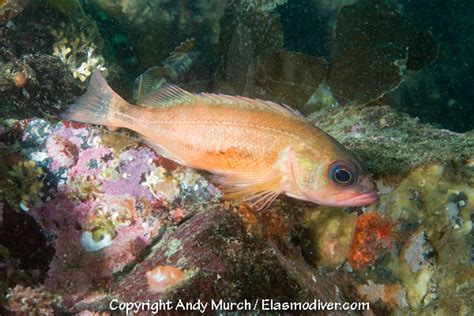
<point>358,200</point>
<point>362,199</point>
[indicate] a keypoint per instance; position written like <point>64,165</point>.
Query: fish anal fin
<point>259,190</point>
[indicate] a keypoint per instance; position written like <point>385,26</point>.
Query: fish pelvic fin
<point>258,190</point>
<point>97,105</point>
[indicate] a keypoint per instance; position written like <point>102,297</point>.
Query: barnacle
<point>99,234</point>
<point>96,240</point>
<point>161,185</point>
<point>83,188</point>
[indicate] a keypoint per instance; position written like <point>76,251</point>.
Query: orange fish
<point>256,149</point>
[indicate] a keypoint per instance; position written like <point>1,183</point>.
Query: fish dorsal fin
<point>148,82</point>
<point>168,95</point>
<point>171,95</point>
<point>257,104</point>
<point>258,189</point>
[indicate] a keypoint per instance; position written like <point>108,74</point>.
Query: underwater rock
<point>11,8</point>
<point>96,203</point>
<point>427,196</point>
<point>220,260</point>
<point>288,77</point>
<point>387,45</point>
<point>151,213</point>
<point>426,185</point>
<point>367,58</point>
<point>330,232</point>
<point>442,92</point>
<point>390,142</point>
<point>33,301</point>
<point>47,88</point>
<point>244,37</point>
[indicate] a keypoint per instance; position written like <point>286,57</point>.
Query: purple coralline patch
<point>91,190</point>
<point>134,163</point>
<point>101,207</point>
<point>90,162</point>
<point>60,212</point>
<point>74,272</point>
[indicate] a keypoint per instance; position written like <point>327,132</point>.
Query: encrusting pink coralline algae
<point>102,206</point>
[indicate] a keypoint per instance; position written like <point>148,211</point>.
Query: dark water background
<point>441,93</point>
<point>234,39</point>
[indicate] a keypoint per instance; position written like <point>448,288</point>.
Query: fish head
<point>332,177</point>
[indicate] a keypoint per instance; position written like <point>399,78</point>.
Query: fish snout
<point>369,192</point>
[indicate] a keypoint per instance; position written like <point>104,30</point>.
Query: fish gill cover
<point>90,216</point>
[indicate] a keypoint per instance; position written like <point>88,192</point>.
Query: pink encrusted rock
<point>221,260</point>
<point>75,272</point>
<point>89,161</point>
<point>63,152</point>
<point>133,164</point>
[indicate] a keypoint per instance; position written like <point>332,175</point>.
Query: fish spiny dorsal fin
<point>151,80</point>
<point>171,95</point>
<point>168,95</point>
<point>253,104</point>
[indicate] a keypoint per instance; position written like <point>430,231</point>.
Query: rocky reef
<point>418,238</point>
<point>92,218</point>
<point>116,214</point>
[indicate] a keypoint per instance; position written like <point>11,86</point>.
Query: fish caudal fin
<point>97,105</point>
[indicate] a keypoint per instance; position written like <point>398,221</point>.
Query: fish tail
<point>97,105</point>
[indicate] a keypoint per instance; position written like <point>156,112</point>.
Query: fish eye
<point>342,174</point>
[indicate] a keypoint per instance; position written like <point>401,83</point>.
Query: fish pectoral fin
<point>161,151</point>
<point>259,190</point>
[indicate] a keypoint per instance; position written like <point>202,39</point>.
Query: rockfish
<point>256,149</point>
